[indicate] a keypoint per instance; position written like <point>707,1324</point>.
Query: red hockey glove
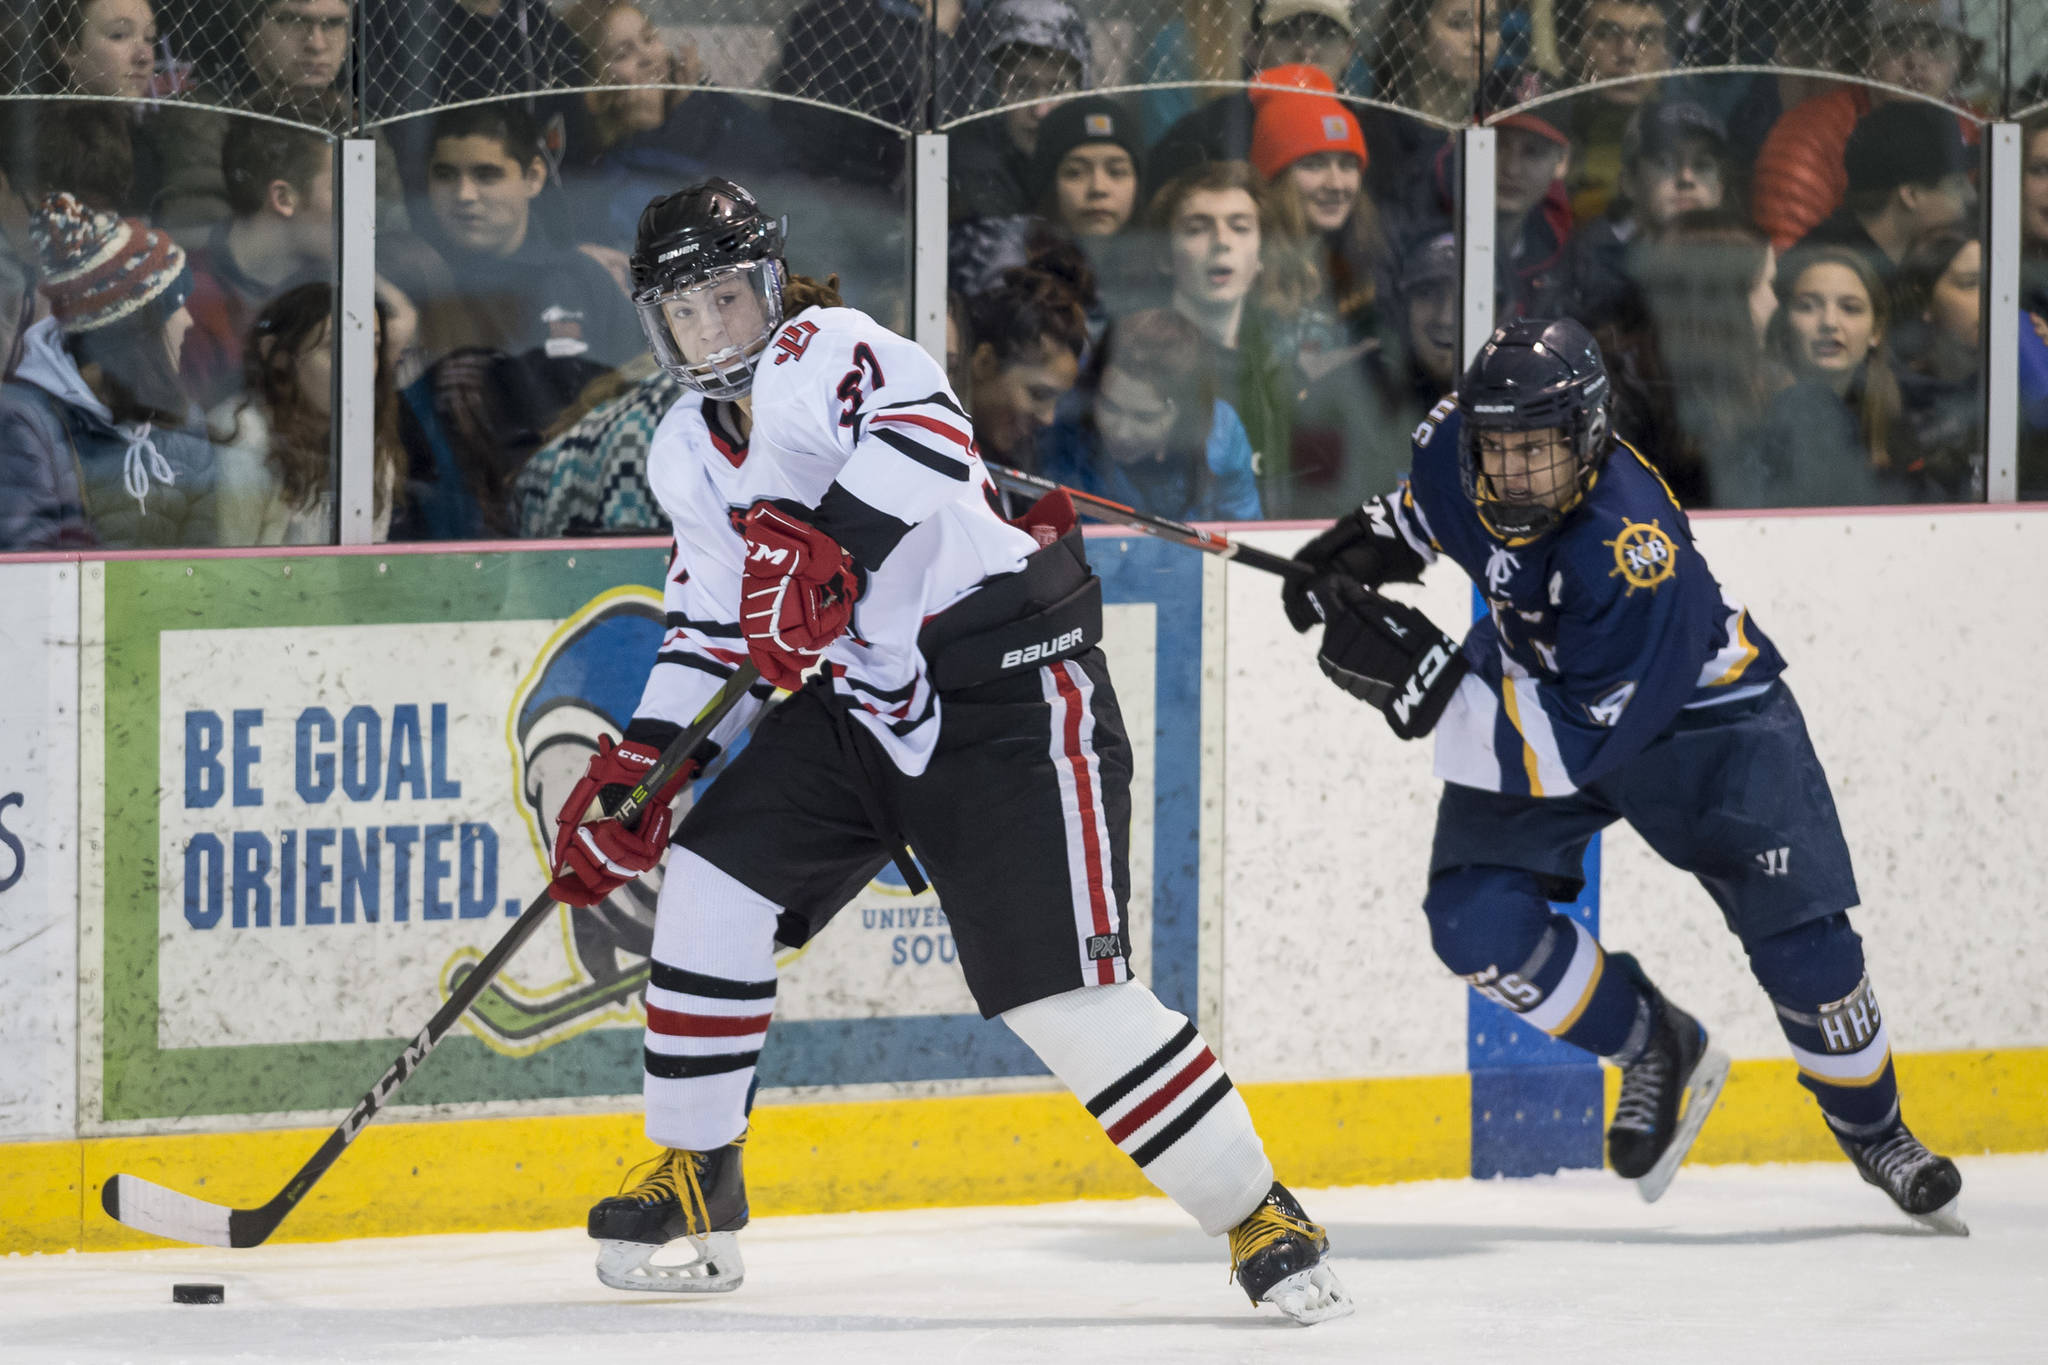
<point>595,859</point>
<point>796,593</point>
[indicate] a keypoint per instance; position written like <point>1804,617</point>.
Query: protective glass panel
<point>1791,313</point>
<point>170,378</point>
<point>1214,324</point>
<point>530,399</point>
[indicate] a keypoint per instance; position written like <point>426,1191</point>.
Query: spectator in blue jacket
<point>99,445</point>
<point>1145,427</point>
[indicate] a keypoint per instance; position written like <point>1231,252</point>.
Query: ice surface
<point>1741,1265</point>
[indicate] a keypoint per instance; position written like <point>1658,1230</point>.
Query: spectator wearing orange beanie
<point>1308,149</point>
<point>1221,128</point>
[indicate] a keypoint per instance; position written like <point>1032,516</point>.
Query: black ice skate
<point>1279,1257</point>
<point>1666,1094</point>
<point>1921,1183</point>
<point>696,1197</point>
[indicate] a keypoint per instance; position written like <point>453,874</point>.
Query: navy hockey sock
<point>1158,1091</point>
<point>1492,926</point>
<point>1815,977</point>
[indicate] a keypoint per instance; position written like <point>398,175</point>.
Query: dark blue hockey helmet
<point>1534,374</point>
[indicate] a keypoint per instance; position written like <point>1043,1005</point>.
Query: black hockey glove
<point>1364,546</point>
<point>1386,653</point>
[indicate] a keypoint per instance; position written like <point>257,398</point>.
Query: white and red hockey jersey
<point>857,422</point>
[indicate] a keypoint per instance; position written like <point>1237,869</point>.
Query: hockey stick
<point>1179,532</point>
<point>152,1208</point>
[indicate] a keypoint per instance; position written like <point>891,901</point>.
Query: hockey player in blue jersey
<point>1611,679</point>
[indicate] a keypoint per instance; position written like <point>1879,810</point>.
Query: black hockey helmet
<point>701,252</point>
<point>1532,375</point>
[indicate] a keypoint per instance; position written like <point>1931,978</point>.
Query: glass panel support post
<point>928,254</point>
<point>2002,313</point>
<point>355,349</point>
<point>1476,245</point>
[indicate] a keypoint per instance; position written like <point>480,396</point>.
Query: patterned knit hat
<point>99,268</point>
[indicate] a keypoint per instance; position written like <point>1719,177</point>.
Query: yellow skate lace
<point>1267,1225</point>
<point>675,1177</point>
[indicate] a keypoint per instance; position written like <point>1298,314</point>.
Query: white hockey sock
<point>1161,1095</point>
<point>708,1004</point>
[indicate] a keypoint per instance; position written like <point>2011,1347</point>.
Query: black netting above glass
<point>920,64</point>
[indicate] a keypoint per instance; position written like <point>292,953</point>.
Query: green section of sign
<point>145,599</point>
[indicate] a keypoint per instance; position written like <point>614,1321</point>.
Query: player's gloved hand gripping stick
<point>163,1212</point>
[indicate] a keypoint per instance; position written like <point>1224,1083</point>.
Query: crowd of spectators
<point>1210,303</point>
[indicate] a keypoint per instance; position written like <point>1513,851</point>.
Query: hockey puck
<point>198,1293</point>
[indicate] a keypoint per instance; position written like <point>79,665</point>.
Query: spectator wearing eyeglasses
<point>281,59</point>
<point>1619,41</point>
<point>1029,54</point>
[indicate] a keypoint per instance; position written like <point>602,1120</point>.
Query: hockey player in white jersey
<point>835,525</point>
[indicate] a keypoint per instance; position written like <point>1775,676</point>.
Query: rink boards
<point>257,813</point>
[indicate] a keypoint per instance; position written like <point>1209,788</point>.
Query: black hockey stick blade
<point>1179,532</point>
<point>152,1208</point>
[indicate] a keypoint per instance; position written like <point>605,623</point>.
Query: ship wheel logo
<point>1643,555</point>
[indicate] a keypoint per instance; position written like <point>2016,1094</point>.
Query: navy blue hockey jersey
<point>1596,635</point>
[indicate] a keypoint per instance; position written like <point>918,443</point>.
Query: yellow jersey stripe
<point>1749,652</point>
<point>1514,709</point>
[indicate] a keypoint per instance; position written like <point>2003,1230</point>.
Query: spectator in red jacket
<point>1800,177</point>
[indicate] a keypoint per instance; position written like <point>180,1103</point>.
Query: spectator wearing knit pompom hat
<point>1309,150</point>
<point>99,445</point>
